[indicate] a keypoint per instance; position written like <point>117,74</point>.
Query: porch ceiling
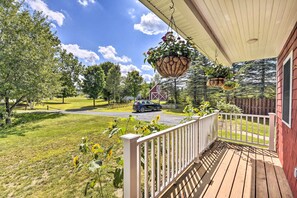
<point>229,28</point>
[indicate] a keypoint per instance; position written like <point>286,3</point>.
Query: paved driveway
<point>167,119</point>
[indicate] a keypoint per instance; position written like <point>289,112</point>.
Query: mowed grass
<point>244,130</point>
<point>36,160</point>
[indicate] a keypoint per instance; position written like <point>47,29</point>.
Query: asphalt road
<point>167,119</point>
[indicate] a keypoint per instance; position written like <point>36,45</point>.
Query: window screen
<point>286,112</point>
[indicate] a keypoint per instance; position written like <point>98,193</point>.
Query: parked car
<point>146,105</point>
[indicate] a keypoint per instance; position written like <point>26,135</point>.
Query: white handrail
<point>162,157</point>
<point>165,131</point>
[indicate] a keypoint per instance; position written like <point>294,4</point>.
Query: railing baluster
<point>163,160</point>
<point>226,119</point>
<point>246,128</point>
<point>240,127</point>
<point>158,164</point>
<point>179,149</point>
<point>252,118</point>
<point>152,168</point>
<point>258,130</point>
<point>146,195</point>
<point>231,126</point>
<point>235,127</point>
<point>264,130</point>
<point>172,155</point>
<point>139,194</point>
<point>176,153</point>
<point>168,158</point>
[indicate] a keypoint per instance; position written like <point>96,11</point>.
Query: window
<point>287,90</point>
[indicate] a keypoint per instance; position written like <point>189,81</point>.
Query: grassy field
<point>83,103</point>
<point>36,154</point>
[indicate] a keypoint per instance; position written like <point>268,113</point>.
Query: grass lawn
<point>250,129</point>
<point>36,154</point>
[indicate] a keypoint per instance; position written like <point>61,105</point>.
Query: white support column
<point>271,131</point>
<point>197,136</point>
<point>130,165</point>
<point>216,123</point>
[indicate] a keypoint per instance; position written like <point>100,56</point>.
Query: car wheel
<point>142,110</point>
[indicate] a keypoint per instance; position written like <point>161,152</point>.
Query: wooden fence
<point>255,106</point>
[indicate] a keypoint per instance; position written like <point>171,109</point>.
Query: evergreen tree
<point>256,78</point>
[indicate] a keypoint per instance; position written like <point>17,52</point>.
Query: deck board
<point>232,170</point>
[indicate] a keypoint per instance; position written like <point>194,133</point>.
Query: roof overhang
<point>232,30</point>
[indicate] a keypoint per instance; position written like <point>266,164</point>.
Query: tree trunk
<point>205,90</point>
<point>94,102</point>
<point>63,100</point>
<point>175,94</point>
<point>262,86</point>
<point>8,111</point>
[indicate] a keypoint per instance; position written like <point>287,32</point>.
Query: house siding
<point>287,137</point>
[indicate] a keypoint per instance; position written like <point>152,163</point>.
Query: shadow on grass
<point>19,126</point>
<point>87,108</point>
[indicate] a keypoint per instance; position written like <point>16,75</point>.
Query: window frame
<point>288,58</point>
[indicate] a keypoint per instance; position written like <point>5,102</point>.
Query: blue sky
<point>96,31</point>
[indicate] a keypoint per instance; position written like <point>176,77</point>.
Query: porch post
<point>271,131</point>
<point>216,123</point>
<point>130,165</point>
<point>197,137</point>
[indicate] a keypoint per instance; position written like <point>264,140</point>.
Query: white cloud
<point>39,5</point>
<point>86,55</point>
<point>109,53</point>
<point>131,12</point>
<point>128,68</point>
<point>150,24</point>
<point>147,77</point>
<point>85,2</point>
<point>146,67</point>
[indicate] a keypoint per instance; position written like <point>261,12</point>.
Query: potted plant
<point>172,57</point>
<point>217,74</point>
<point>229,85</point>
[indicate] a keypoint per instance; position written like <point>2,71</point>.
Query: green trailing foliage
<point>227,107</point>
<point>218,71</point>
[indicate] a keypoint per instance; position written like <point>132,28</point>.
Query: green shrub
<point>228,108</point>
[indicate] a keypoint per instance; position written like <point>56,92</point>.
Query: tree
<point>133,83</point>
<point>28,63</point>
<point>113,80</point>
<point>70,69</point>
<point>106,66</point>
<point>93,82</point>
<point>257,78</point>
<point>145,90</point>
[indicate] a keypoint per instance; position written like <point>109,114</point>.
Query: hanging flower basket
<point>215,82</point>
<point>172,57</point>
<point>217,75</point>
<point>172,66</point>
<point>229,85</point>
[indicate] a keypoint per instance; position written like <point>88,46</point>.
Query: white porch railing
<point>154,162</point>
<point>251,129</point>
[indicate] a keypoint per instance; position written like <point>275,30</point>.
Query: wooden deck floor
<point>232,170</point>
